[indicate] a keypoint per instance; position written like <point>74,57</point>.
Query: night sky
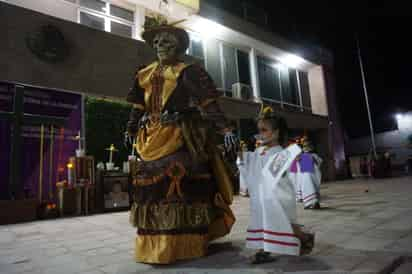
<point>386,50</point>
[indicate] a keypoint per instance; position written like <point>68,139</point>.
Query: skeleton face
<point>166,46</point>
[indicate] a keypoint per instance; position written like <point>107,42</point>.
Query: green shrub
<point>105,123</point>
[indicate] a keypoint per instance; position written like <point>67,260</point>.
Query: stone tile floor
<point>363,227</point>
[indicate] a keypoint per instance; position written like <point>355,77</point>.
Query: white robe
<point>272,200</point>
<point>309,191</point>
<point>317,176</point>
<point>307,184</point>
<point>293,177</point>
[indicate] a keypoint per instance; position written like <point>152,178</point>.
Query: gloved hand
<point>133,123</point>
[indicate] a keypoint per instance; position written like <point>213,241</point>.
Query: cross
<point>111,149</point>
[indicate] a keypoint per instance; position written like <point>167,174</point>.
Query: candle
<point>70,174</point>
<point>80,141</point>
<point>133,145</point>
<point>111,154</point>
<point>111,149</point>
<point>110,164</point>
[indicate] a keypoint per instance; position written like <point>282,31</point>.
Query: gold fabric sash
<point>157,141</point>
<point>170,74</point>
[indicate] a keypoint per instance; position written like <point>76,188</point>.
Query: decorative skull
<point>166,45</point>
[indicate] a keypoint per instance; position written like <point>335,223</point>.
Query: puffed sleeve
<point>203,94</point>
<point>136,93</point>
<point>136,97</point>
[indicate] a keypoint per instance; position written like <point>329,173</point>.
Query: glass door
<point>51,123</point>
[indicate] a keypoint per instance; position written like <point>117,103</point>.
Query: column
<point>254,74</point>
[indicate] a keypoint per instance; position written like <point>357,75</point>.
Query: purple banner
<point>52,103</point>
<point>47,145</point>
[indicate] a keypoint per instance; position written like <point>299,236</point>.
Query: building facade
<point>398,143</point>
<point>102,49</point>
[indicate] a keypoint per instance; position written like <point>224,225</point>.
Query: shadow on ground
<point>233,258</point>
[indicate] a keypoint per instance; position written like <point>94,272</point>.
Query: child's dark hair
<point>277,122</point>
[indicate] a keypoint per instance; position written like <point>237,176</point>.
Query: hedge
<point>105,122</point>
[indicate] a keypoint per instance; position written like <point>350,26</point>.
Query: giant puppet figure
<point>182,189</point>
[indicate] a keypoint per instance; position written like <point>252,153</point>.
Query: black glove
<point>133,123</point>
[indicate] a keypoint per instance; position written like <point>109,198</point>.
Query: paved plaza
<point>365,226</point>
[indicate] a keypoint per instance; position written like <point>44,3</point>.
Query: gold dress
<point>181,187</point>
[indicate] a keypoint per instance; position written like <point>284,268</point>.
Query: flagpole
<point>366,97</point>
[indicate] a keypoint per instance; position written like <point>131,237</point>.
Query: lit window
<point>105,16</point>
<point>279,83</point>
<point>230,69</point>
<point>269,79</point>
<point>196,47</point>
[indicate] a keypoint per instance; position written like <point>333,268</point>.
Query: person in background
<point>307,177</point>
<point>317,175</point>
<point>231,148</point>
<point>231,143</point>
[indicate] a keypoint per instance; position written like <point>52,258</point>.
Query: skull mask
<point>166,45</point>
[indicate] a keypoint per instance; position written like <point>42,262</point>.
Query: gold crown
<point>265,111</point>
<point>159,21</point>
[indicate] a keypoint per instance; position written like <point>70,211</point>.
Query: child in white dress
<point>273,226</point>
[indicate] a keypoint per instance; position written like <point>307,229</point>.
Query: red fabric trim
<point>272,241</point>
<point>313,198</point>
<point>309,196</point>
<point>272,233</point>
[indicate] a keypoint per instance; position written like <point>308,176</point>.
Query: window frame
<point>190,48</point>
<point>108,18</point>
<point>282,89</point>
<point>222,71</point>
<point>227,91</point>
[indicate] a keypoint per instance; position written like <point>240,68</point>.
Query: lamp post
<point>366,97</point>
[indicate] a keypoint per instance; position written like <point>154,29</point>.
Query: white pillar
<point>254,74</point>
<point>139,17</point>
